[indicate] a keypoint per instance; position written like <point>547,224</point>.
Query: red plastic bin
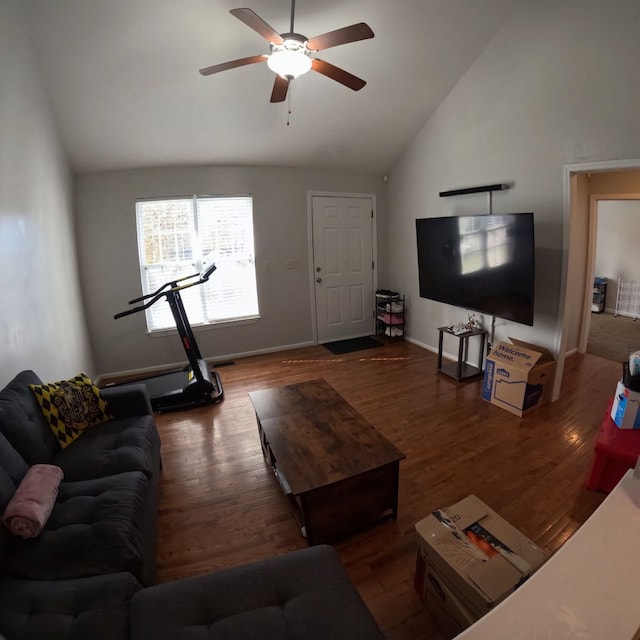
<point>616,451</point>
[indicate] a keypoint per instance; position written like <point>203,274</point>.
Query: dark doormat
<point>354,344</point>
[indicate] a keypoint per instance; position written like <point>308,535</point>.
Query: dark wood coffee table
<point>340,472</point>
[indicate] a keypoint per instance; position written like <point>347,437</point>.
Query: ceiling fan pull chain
<point>293,11</point>
<point>289,103</point>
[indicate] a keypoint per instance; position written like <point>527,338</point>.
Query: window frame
<point>197,262</point>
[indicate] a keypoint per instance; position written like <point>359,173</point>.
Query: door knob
<point>318,279</point>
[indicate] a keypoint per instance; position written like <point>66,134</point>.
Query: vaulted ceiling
<point>122,76</point>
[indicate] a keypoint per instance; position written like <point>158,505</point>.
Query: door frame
<point>594,203</point>
<point>374,248</point>
<point>569,170</point>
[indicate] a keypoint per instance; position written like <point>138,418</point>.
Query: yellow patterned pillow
<point>71,407</point>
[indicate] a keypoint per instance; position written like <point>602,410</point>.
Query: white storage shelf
<point>628,298</point>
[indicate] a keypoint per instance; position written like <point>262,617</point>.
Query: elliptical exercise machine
<point>197,384</point>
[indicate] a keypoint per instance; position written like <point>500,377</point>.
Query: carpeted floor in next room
<point>612,337</point>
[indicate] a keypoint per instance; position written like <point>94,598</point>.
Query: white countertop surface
<point>590,588</point>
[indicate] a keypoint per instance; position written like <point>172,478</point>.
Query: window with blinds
<point>178,236</point>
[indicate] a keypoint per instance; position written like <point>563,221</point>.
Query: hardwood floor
<point>221,506</point>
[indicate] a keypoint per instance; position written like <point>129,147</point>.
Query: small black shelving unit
<point>390,315</point>
<point>599,294</point>
<point>461,370</point>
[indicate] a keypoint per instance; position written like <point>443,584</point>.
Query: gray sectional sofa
<point>301,595</point>
<point>88,574</point>
<point>98,545</point>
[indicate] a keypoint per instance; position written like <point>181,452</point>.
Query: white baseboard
<point>420,344</point>
<point>218,359</point>
<point>445,354</point>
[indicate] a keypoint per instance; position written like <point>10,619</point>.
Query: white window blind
<point>177,236</point>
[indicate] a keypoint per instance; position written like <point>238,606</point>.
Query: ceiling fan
<point>290,53</point>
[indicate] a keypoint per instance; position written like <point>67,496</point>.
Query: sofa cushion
<point>96,527</point>
<point>22,423</point>
<point>129,444</point>
<point>71,407</point>
<point>305,594</point>
<point>12,469</point>
<point>95,607</point>
<point>128,400</point>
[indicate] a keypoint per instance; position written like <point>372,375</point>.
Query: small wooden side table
<point>461,370</point>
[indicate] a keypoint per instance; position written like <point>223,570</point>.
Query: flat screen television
<point>484,263</point>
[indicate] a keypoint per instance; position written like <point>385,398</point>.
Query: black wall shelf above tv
<point>482,189</point>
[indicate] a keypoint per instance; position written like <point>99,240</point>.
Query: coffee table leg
<point>396,476</point>
<point>266,450</point>
<point>306,528</point>
<point>262,439</point>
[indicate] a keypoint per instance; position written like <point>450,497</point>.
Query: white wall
<point>617,251</point>
<point>553,88</point>
<point>108,252</point>
<point>41,322</point>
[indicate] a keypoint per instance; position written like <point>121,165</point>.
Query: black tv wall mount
<point>482,189</point>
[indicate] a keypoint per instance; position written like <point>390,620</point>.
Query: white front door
<point>343,267</point>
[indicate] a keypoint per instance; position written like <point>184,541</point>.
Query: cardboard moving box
<point>449,613</point>
<point>518,376</point>
<point>475,558</point>
<point>625,411</point>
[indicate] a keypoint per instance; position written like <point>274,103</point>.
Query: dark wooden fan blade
<point>280,88</point>
<point>337,74</point>
<point>355,32</point>
<point>216,68</point>
<point>257,24</point>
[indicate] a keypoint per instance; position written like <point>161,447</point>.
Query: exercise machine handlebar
<point>162,291</point>
<point>142,307</point>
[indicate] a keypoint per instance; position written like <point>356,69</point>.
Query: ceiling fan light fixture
<point>290,53</point>
<point>289,60</point>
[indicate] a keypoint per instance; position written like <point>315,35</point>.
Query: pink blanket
<point>29,509</point>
